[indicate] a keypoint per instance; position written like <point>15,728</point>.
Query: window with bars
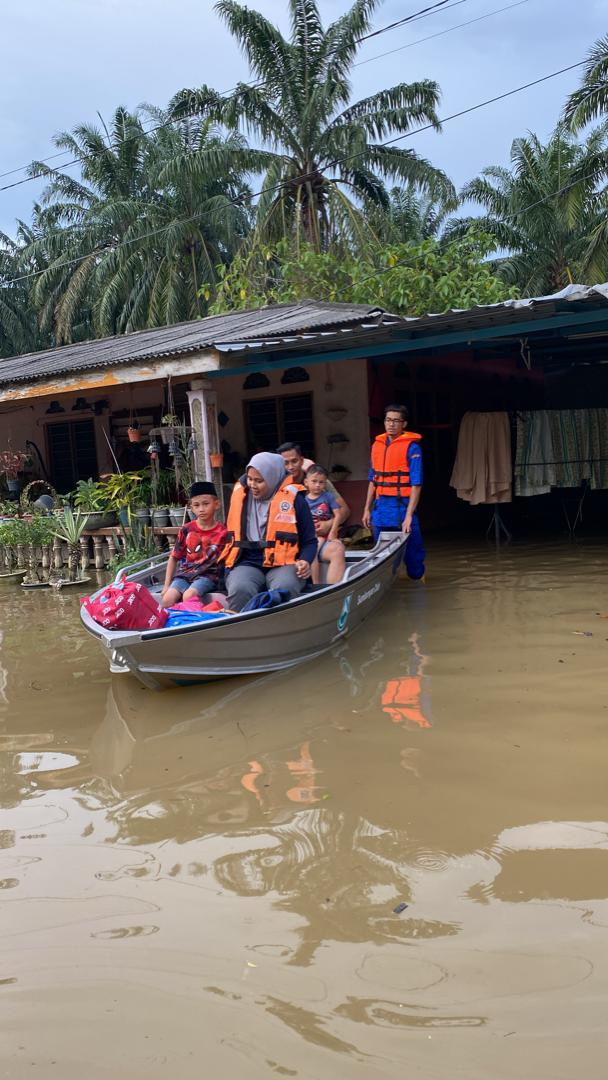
<point>72,453</point>
<point>272,421</point>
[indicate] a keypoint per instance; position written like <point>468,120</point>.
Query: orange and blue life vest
<point>281,543</point>
<point>390,471</point>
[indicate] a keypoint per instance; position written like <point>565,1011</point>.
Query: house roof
<point>188,337</point>
<point>460,320</point>
<point>310,325</point>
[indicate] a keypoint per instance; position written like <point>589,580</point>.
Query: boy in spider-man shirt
<point>193,566</point>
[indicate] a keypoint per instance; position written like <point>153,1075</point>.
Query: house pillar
<point>202,400</point>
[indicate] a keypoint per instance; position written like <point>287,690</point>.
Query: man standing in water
<point>395,484</point>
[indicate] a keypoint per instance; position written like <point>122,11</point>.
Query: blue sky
<point>64,61</point>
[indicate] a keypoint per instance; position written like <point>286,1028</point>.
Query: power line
<point>423,13</point>
<point>440,33</point>
<point>276,187</point>
<point>414,17</point>
<point>359,63</point>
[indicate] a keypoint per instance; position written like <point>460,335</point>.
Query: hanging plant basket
<point>134,434</point>
<point>168,434</point>
<point>216,460</point>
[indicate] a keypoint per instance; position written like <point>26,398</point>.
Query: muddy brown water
<point>204,882</point>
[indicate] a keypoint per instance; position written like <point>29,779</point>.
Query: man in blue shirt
<point>395,485</point>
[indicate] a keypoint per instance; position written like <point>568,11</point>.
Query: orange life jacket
<point>390,465</point>
<point>281,543</point>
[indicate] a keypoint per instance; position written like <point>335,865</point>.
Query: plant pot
<point>216,460</point>
<point>168,434</point>
<point>160,517</point>
<point>142,515</point>
<point>100,519</point>
<point>124,516</point>
<point>14,486</point>
<point>134,434</point>
<point>178,516</point>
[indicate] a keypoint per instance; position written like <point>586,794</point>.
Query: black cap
<point>203,487</point>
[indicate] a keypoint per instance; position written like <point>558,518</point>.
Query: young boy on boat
<point>326,515</point>
<point>193,567</point>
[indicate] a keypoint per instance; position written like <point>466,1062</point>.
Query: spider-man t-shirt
<point>198,550</point>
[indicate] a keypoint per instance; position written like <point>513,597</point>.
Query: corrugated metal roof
<point>182,338</point>
<point>310,324</point>
<point>503,311</point>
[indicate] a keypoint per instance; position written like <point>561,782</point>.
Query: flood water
<point>207,881</point>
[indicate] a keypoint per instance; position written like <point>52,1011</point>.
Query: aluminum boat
<point>253,642</point>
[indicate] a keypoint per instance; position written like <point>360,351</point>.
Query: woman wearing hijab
<point>271,536</point>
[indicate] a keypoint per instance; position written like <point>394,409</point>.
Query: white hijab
<point>272,468</point>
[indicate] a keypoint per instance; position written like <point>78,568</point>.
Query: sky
<point>64,62</point>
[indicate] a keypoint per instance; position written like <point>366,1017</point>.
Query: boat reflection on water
<point>280,760</point>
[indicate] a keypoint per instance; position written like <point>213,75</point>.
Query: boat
<point>251,642</point>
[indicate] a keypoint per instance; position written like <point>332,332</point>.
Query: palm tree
<point>128,244</point>
<point>411,216</point>
<point>17,324</point>
<point>548,212</point>
<point>322,157</point>
<point>590,101</point>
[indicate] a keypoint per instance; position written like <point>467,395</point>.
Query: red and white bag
<point>126,606</point>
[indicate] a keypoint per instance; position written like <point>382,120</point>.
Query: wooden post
<point>203,419</point>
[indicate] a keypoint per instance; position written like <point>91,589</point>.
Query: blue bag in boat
<point>267,599</point>
<point>190,618</point>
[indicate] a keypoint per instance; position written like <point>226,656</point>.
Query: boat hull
<point>254,642</point>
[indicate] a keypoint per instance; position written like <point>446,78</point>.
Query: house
<point>313,372</point>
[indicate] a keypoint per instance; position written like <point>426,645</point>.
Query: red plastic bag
<point>126,606</point>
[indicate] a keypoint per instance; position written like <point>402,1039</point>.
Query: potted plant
<point>216,460</point>
<point>12,537</point>
<point>169,423</point>
<point>134,432</point>
<point>69,527</point>
<point>11,464</point>
<point>159,516</point>
<point>39,534</point>
<point>8,509</point>
<point>178,516</point>
<point>90,500</point>
<point>121,491</point>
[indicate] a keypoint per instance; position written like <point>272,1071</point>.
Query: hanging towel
<point>598,438</point>
<point>482,470</point>
<point>534,469</point>
<point>570,437</point>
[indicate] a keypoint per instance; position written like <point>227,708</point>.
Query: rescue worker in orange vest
<point>395,484</point>
<point>271,535</point>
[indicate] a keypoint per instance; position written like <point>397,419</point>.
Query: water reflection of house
<point>314,372</point>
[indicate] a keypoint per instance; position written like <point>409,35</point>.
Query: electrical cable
<point>414,17</point>
<point>331,164</point>
<point>440,33</point>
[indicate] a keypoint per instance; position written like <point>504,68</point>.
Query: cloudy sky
<point>65,61</point>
